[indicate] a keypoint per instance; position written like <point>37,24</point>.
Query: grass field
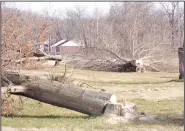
<point>158,94</point>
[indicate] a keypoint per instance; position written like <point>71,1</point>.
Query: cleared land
<point>160,94</point>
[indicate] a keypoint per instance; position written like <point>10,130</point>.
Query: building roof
<point>59,43</point>
<point>71,43</point>
<point>66,43</point>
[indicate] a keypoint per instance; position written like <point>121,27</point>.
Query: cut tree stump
<point>113,109</point>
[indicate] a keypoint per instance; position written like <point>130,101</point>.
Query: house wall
<point>56,50</point>
<point>70,49</point>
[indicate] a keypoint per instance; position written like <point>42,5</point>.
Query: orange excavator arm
<point>41,34</point>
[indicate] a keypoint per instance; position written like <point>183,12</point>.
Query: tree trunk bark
<point>67,96</point>
<point>61,95</point>
<point>181,62</point>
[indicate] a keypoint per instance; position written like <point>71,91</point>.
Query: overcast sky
<point>41,7</point>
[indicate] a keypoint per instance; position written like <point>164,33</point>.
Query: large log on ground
<point>68,96</point>
<point>61,95</point>
<point>39,55</point>
<point>49,57</point>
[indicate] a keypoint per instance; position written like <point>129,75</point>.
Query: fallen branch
<point>147,57</point>
<point>153,68</point>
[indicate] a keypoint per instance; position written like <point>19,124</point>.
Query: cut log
<point>68,96</point>
<point>57,94</point>
<point>39,55</point>
<point>61,95</point>
<point>49,57</point>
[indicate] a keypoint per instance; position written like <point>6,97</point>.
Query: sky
<point>59,7</point>
<point>40,7</point>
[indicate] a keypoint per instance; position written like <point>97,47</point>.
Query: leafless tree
<point>172,12</point>
<point>131,30</point>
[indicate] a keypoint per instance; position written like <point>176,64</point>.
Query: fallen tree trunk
<point>61,95</point>
<point>67,96</point>
<point>39,55</point>
<point>83,101</point>
<point>49,57</point>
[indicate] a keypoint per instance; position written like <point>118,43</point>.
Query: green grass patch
<point>177,80</point>
<point>44,115</point>
<point>161,107</point>
<point>41,115</point>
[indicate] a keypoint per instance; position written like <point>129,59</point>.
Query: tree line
<point>130,30</point>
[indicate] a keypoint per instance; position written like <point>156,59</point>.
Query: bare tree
<point>170,10</point>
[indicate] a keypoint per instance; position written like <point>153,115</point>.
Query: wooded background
<point>131,30</point>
